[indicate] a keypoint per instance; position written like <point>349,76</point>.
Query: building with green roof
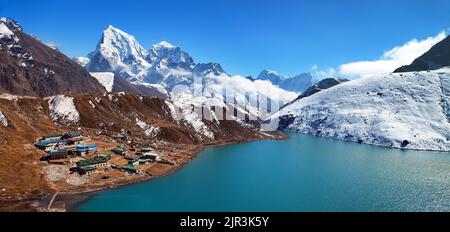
<point>88,170</point>
<point>98,161</point>
<point>130,168</point>
<point>120,150</point>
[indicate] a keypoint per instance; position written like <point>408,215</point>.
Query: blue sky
<point>244,36</point>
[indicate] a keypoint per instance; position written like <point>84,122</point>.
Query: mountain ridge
<point>29,67</point>
<point>437,57</point>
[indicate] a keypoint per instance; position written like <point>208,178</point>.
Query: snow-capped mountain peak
<point>270,72</point>
<point>271,76</point>
<point>119,52</point>
<point>165,55</point>
<point>125,44</point>
<point>163,44</point>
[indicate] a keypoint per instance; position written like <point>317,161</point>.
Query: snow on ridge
<point>3,120</point>
<point>5,32</point>
<point>149,130</point>
<point>396,110</point>
<point>62,108</point>
<point>105,78</point>
<point>163,44</point>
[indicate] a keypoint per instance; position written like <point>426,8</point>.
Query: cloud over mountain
<point>392,59</point>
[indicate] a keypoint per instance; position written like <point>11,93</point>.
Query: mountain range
<point>165,66</point>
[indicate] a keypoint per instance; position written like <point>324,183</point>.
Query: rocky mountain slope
<point>406,110</point>
<point>437,57</point>
<point>29,67</point>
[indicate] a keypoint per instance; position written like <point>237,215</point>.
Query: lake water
<point>304,173</point>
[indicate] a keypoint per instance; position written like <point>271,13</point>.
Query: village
<point>83,158</point>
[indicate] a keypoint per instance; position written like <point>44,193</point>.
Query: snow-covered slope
<point>63,109</point>
<point>409,110</point>
<point>105,78</point>
<point>4,31</point>
<point>3,120</point>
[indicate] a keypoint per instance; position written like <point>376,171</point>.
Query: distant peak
<point>269,71</point>
<point>113,33</point>
<point>164,44</point>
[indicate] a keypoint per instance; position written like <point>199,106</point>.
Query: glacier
<point>402,110</point>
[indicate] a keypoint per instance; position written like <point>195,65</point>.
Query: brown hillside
<point>29,67</point>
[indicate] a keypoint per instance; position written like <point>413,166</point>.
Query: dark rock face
<point>204,69</point>
<point>28,67</point>
<point>404,143</point>
<point>250,78</point>
<point>285,121</point>
<point>437,57</point>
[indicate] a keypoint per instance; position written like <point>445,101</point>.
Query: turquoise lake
<point>304,173</point>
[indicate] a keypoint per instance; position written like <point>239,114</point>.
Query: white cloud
<point>392,59</point>
<point>320,74</point>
